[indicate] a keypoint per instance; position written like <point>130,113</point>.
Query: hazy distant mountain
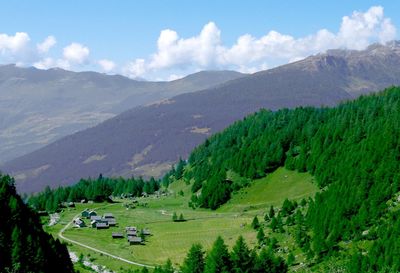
<point>148,139</point>
<point>39,106</point>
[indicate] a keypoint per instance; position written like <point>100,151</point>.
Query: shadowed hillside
<point>40,106</point>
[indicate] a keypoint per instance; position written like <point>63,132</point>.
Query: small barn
<point>101,225</point>
<point>108,216</point>
<point>131,233</point>
<point>133,240</point>
<point>146,232</point>
<point>111,221</point>
<point>95,218</point>
<point>79,223</point>
<point>131,229</point>
<point>117,235</point>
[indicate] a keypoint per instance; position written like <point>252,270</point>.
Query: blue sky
<point>124,34</point>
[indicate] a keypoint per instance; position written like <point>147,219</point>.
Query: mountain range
<point>39,106</point>
<point>148,139</point>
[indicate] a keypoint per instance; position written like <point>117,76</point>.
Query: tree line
<point>97,190</point>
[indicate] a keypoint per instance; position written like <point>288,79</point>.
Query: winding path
<point>60,234</point>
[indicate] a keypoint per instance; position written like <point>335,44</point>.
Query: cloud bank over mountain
<point>176,56</point>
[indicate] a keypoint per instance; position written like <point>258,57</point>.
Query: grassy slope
<point>272,190</point>
<point>172,240</point>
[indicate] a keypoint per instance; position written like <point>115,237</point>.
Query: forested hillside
<point>24,246</point>
<point>353,151</point>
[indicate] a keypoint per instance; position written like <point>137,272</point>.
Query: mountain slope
<point>40,106</point>
<point>147,140</point>
<point>24,246</point>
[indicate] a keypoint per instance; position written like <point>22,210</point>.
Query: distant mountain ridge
<point>40,106</point>
<point>147,140</point>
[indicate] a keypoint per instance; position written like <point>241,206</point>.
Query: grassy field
<point>272,190</point>
<point>173,239</point>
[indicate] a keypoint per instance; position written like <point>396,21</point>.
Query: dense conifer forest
<point>353,151</point>
<point>24,246</point>
<point>97,190</point>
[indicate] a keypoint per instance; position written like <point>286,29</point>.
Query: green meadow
<point>171,240</point>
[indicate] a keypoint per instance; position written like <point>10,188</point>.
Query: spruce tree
<point>261,237</point>
<point>241,257</point>
<point>271,213</point>
<point>255,224</point>
<point>194,261</point>
<point>218,259</point>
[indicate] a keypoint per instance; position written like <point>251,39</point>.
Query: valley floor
<point>171,240</point>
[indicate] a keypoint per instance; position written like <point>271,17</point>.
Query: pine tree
<point>174,217</point>
<point>194,261</point>
<point>218,260</point>
<point>274,224</point>
<point>261,237</point>
<point>291,259</point>
<point>241,257</point>
<point>271,213</point>
<point>255,224</point>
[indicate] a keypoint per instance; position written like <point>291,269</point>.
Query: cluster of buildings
<point>96,221</point>
<point>133,235</point>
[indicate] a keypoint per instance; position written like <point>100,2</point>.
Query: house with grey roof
<point>111,221</point>
<point>131,229</point>
<point>108,215</point>
<point>134,240</point>
<point>101,225</point>
<point>146,232</point>
<point>131,233</point>
<point>79,223</point>
<point>117,235</point>
<point>95,218</point>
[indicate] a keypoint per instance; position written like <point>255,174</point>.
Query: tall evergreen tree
<point>194,261</point>
<point>255,224</point>
<point>261,237</point>
<point>218,259</point>
<point>241,257</point>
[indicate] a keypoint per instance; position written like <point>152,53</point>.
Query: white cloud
<point>250,54</point>
<point>174,77</point>
<point>135,68</point>
<point>106,65</point>
<point>45,63</point>
<point>15,43</point>
<point>45,46</point>
<point>176,56</point>
<point>76,53</point>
